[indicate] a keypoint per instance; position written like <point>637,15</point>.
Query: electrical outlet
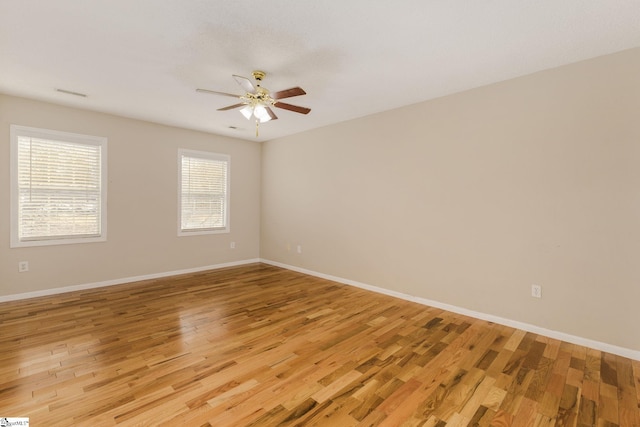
<point>536,291</point>
<point>299,249</point>
<point>23,266</point>
<point>232,245</point>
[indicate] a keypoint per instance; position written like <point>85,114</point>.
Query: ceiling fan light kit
<point>257,101</point>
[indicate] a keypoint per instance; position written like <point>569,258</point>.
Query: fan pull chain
<point>257,124</point>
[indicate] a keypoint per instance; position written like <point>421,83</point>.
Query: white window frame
<point>211,156</point>
<point>17,131</point>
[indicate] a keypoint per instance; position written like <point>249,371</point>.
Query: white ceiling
<point>145,58</point>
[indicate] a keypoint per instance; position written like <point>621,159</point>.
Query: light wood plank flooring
<point>261,346</point>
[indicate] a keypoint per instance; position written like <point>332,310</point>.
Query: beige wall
<point>142,199</point>
<point>471,198</point>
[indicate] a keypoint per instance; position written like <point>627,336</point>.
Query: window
<point>58,187</point>
<point>203,194</point>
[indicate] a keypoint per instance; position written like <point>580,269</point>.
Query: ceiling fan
<point>257,101</point>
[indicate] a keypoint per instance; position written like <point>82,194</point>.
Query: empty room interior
<point>412,213</point>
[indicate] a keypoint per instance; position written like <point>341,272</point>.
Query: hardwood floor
<point>262,346</point>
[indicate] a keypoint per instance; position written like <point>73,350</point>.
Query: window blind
<point>204,191</point>
<point>59,189</point>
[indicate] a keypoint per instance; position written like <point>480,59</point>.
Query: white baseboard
<point>609,348</point>
<point>120,281</point>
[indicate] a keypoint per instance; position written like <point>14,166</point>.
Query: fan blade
<point>271,113</point>
<point>215,92</point>
<point>245,83</point>
<point>297,109</point>
<point>288,93</point>
<point>231,107</point>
